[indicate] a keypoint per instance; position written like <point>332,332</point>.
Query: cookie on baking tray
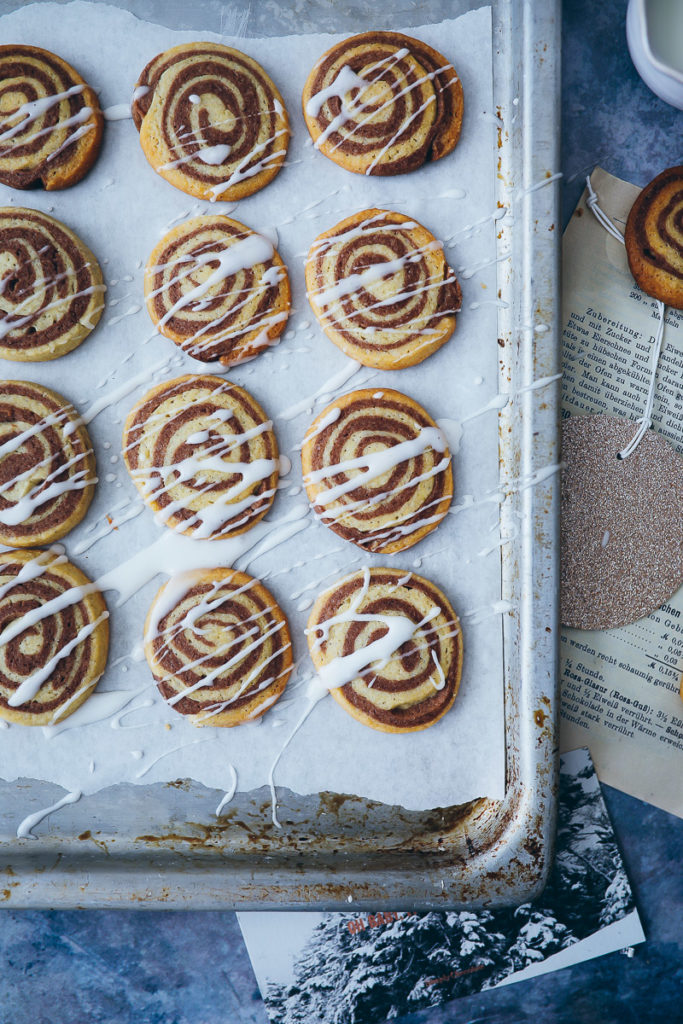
<point>49,663</point>
<point>50,120</point>
<point>47,465</point>
<point>202,453</point>
<point>377,470</point>
<point>654,238</point>
<point>409,680</point>
<point>382,290</point>
<point>218,290</point>
<point>211,121</point>
<point>51,287</point>
<point>219,646</point>
<point>383,103</point>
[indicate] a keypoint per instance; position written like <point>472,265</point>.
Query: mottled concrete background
<point>120,967</point>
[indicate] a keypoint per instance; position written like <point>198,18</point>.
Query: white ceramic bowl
<point>654,33</point>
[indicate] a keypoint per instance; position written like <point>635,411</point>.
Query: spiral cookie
<point>654,238</point>
<point>218,646</point>
<point>218,290</point>
<point>50,120</point>
<point>51,289</point>
<point>47,466</point>
<point>203,455</point>
<point>211,121</point>
<point>377,470</point>
<point>383,103</point>
<point>54,637</point>
<point>388,646</point>
<point>380,286</point>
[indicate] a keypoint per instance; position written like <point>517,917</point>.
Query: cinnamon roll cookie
<point>382,290</point>
<point>211,121</point>
<point>218,290</point>
<point>50,120</point>
<point>203,455</point>
<point>218,646</point>
<point>54,637</point>
<point>47,465</point>
<point>654,238</point>
<point>388,646</point>
<point>377,470</point>
<point>383,103</point>
<point>51,288</point>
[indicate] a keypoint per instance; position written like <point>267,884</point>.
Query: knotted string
<point>646,422</point>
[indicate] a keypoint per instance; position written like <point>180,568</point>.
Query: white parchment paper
<point>125,732</point>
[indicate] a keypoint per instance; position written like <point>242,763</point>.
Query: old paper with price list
<point>620,687</point>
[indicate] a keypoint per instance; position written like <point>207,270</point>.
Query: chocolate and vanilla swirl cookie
<point>383,103</point>
<point>54,637</point>
<point>47,465</point>
<point>218,290</point>
<point>218,646</point>
<point>211,121</point>
<point>377,470</point>
<point>51,288</point>
<point>388,646</point>
<point>654,238</point>
<point>203,455</point>
<point>50,120</point>
<point>381,288</point>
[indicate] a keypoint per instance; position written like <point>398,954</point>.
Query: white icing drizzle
<point>376,464</point>
<point>229,794</point>
<point>22,510</point>
<point>33,109</point>
<point>30,686</point>
<point>332,384</point>
<point>25,828</point>
<point>376,272</point>
<point>117,112</point>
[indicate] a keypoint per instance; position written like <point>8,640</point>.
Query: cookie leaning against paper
<point>50,662</point>
<point>381,288</point>
<point>47,465</point>
<point>218,290</point>
<point>51,287</point>
<point>377,470</point>
<point>654,238</point>
<point>211,121</point>
<point>50,120</point>
<point>383,103</point>
<point>388,646</point>
<point>202,453</point>
<point>219,646</point>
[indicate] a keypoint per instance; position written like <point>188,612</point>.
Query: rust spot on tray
<point>539,718</point>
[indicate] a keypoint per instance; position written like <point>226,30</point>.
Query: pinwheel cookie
<point>388,646</point>
<point>218,646</point>
<point>51,288</point>
<point>382,290</point>
<point>50,120</point>
<point>654,238</point>
<point>47,465</point>
<point>203,455</point>
<point>377,470</point>
<point>54,637</point>
<point>211,121</point>
<point>383,103</point>
<point>218,290</point>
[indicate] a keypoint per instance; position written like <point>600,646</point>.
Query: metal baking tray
<point>161,845</point>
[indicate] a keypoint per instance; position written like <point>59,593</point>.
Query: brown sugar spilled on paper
<point>622,529</point>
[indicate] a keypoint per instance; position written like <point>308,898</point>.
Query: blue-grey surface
<point>191,968</point>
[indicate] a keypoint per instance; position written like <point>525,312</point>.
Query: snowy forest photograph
<point>346,969</point>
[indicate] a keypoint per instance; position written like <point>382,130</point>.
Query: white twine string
<point>645,423</point>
